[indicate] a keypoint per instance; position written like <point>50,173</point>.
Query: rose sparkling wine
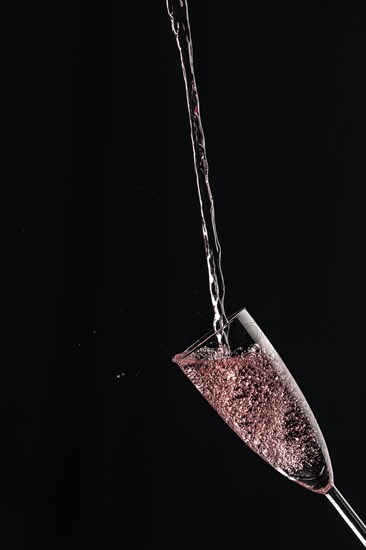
<point>256,396</point>
<point>235,367</point>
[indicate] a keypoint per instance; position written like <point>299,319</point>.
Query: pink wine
<point>258,398</point>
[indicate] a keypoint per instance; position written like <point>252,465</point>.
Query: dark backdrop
<point>106,276</point>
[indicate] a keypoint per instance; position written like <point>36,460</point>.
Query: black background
<point>106,276</point>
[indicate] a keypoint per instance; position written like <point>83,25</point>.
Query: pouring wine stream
<point>178,12</point>
<point>222,377</point>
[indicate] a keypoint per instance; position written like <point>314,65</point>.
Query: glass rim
<point>210,334</point>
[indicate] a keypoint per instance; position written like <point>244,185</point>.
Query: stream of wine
<point>178,12</point>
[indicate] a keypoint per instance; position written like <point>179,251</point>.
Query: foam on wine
<point>258,398</point>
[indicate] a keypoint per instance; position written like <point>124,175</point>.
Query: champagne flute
<point>251,388</point>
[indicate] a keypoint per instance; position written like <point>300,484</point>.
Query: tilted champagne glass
<point>253,391</point>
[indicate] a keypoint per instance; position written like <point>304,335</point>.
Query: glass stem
<point>347,513</point>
